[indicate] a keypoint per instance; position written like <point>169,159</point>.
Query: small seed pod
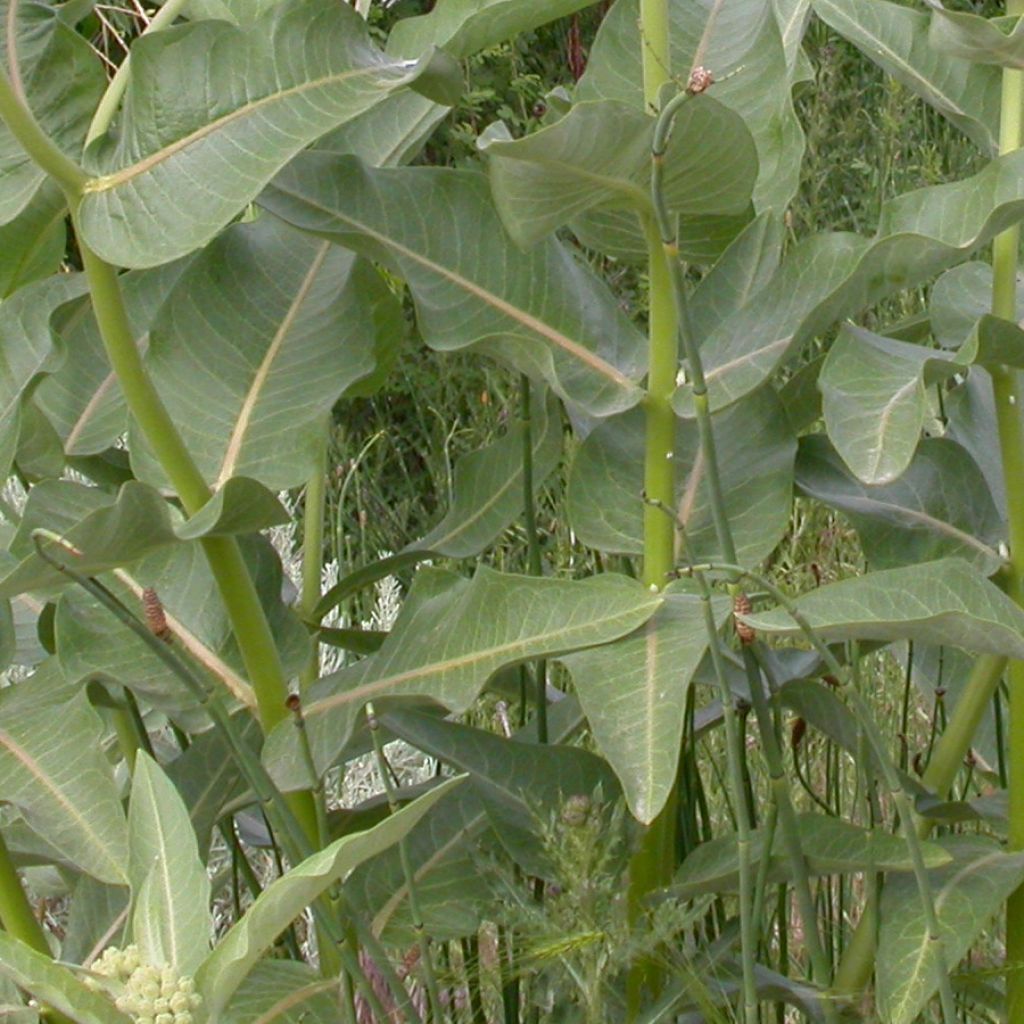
<point>156,618</point>
<point>741,606</point>
<point>700,81</point>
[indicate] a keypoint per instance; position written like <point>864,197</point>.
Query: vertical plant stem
<point>533,556</point>
<point>1007,394</point>
<point>654,861</point>
<point>313,510</point>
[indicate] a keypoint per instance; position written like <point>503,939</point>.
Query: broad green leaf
<point>874,400</point>
<point>61,781</point>
<point>967,894</point>
<point>82,398</point>
<point>741,37</point>
<point>261,335</point>
<point>997,41</point>
<point>599,156</point>
<point>109,532</point>
<point>96,919</point>
<point>741,272</point>
<point>442,648</point>
<point>170,886</point>
<point>940,507</point>
<point>40,453</point>
<point>92,642</point>
<point>208,777</point>
<point>831,846</point>
<point>793,16</point>
<point>239,12</point>
<point>263,93</point>
<point>488,489</point>
<point>959,299</point>
<point>519,782</point>
<point>605,499</point>
<point>896,39</point>
<point>54,985</point>
<point>284,992</point>
<point>32,245</point>
<point>941,602</point>
<point>831,276</point>
<point>54,70</point>
<point>284,899</point>
<point>633,693</point>
<point>450,888</point>
<point>541,310</point>
<point>464,27</point>
<point>28,348</point>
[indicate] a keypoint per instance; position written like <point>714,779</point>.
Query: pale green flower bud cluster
<point>149,995</point>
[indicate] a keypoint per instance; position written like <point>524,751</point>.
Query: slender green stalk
<point>766,726</point>
<point>16,914</point>
<point>111,99</point>
<point>533,556</point>
<point>313,554</point>
<point>1007,394</point>
<point>897,795</point>
<point>654,861</point>
<point>426,963</point>
<point>858,960</point>
<point>18,920</point>
<point>275,804</point>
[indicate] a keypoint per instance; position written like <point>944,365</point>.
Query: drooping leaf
<point>443,649</point>
<point>239,505</point>
<point>61,781</point>
<point>28,348</point>
<point>488,489</point>
<point>831,276</point>
<point>966,894</point>
<point>54,985</point>
<point>520,782</point>
<point>941,602</point>
<point>32,244</point>
<point>606,481</point>
<point>830,845</point>
<point>971,422</point>
<point>54,71</point>
<point>170,886</point>
<point>742,271</point>
<point>82,398</point>
<point>91,641</point>
<point>874,400</point>
<point>284,992</point>
<point>541,310</point>
<point>940,507</point>
<point>284,899</point>
<point>998,41</point>
<point>897,39</point>
<point>633,692</point>
<point>208,777</point>
<point>599,156</point>
<point>450,890</point>
<point>264,92</point>
<point>959,299</point>
<point>464,27</point>
<point>257,341</point>
<point>741,37</point>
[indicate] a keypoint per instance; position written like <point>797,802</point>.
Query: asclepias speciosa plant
<point>201,256</point>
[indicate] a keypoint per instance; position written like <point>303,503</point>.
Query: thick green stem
<point>654,861</point>
<point>1007,393</point>
<point>313,554</point>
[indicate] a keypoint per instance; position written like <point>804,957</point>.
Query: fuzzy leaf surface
<point>442,648</point>
<point>211,103</point>
<point>541,311</point>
